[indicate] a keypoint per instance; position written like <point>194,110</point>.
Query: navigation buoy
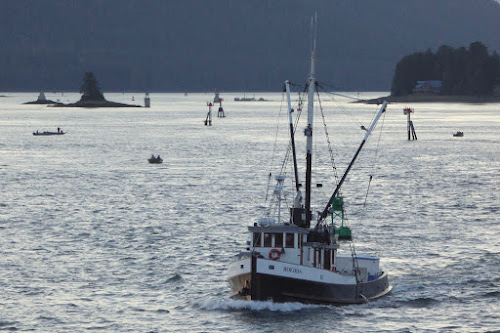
<point>344,233</point>
<point>337,210</point>
<point>221,114</point>
<point>208,119</point>
<point>218,99</point>
<point>412,135</point>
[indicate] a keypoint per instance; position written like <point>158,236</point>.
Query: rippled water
<point>95,238</point>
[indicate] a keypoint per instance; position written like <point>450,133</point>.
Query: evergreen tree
<point>90,88</point>
<point>444,58</point>
<point>476,76</point>
<point>459,83</point>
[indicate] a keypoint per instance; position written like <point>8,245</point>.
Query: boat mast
<point>337,189</point>
<point>309,129</point>
<point>292,134</point>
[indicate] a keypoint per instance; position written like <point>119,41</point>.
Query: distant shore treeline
<point>462,71</point>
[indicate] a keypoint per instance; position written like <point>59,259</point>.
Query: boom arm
<point>337,189</point>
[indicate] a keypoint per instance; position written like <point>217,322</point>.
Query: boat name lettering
<point>292,270</point>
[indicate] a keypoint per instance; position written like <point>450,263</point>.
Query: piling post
<point>208,119</point>
<point>412,135</point>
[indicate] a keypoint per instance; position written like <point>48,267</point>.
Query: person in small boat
<point>58,130</point>
<point>153,156</point>
<point>158,158</point>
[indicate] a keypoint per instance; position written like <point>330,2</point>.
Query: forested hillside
<point>463,71</point>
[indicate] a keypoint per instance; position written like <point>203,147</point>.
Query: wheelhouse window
<point>256,239</point>
<point>278,239</point>
<point>290,240</point>
<point>268,240</point>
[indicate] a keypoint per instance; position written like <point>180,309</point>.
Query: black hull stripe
<point>280,289</point>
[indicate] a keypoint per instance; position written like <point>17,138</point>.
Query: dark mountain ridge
<point>231,45</point>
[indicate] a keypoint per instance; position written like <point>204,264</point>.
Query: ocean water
<point>93,238</point>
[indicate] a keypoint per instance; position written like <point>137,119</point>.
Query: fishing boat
<point>458,134</point>
<point>296,259</point>
<point>245,99</point>
<point>155,160</point>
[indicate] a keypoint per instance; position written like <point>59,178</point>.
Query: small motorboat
<point>458,134</point>
<point>155,160</point>
<point>59,132</point>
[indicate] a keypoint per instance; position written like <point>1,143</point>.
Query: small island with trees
<point>469,75</point>
<point>42,100</point>
<point>92,96</point>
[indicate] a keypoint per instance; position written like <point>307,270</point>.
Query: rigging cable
<point>376,158</point>
<point>274,146</point>
<point>286,160</point>
<point>338,94</point>
<point>289,150</point>
<point>341,108</point>
<point>330,149</point>
<point>344,110</point>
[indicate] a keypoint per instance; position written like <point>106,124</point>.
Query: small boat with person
<point>44,133</point>
<point>155,160</point>
<point>458,134</point>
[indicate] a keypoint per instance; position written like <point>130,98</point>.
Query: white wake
<point>235,305</point>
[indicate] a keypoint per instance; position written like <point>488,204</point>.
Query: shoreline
<point>433,99</point>
<point>96,104</point>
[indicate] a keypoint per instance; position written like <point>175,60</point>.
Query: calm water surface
<point>95,238</point>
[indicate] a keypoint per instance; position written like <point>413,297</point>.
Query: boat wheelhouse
<point>291,263</point>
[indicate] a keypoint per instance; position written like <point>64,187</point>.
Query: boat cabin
<point>294,245</point>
